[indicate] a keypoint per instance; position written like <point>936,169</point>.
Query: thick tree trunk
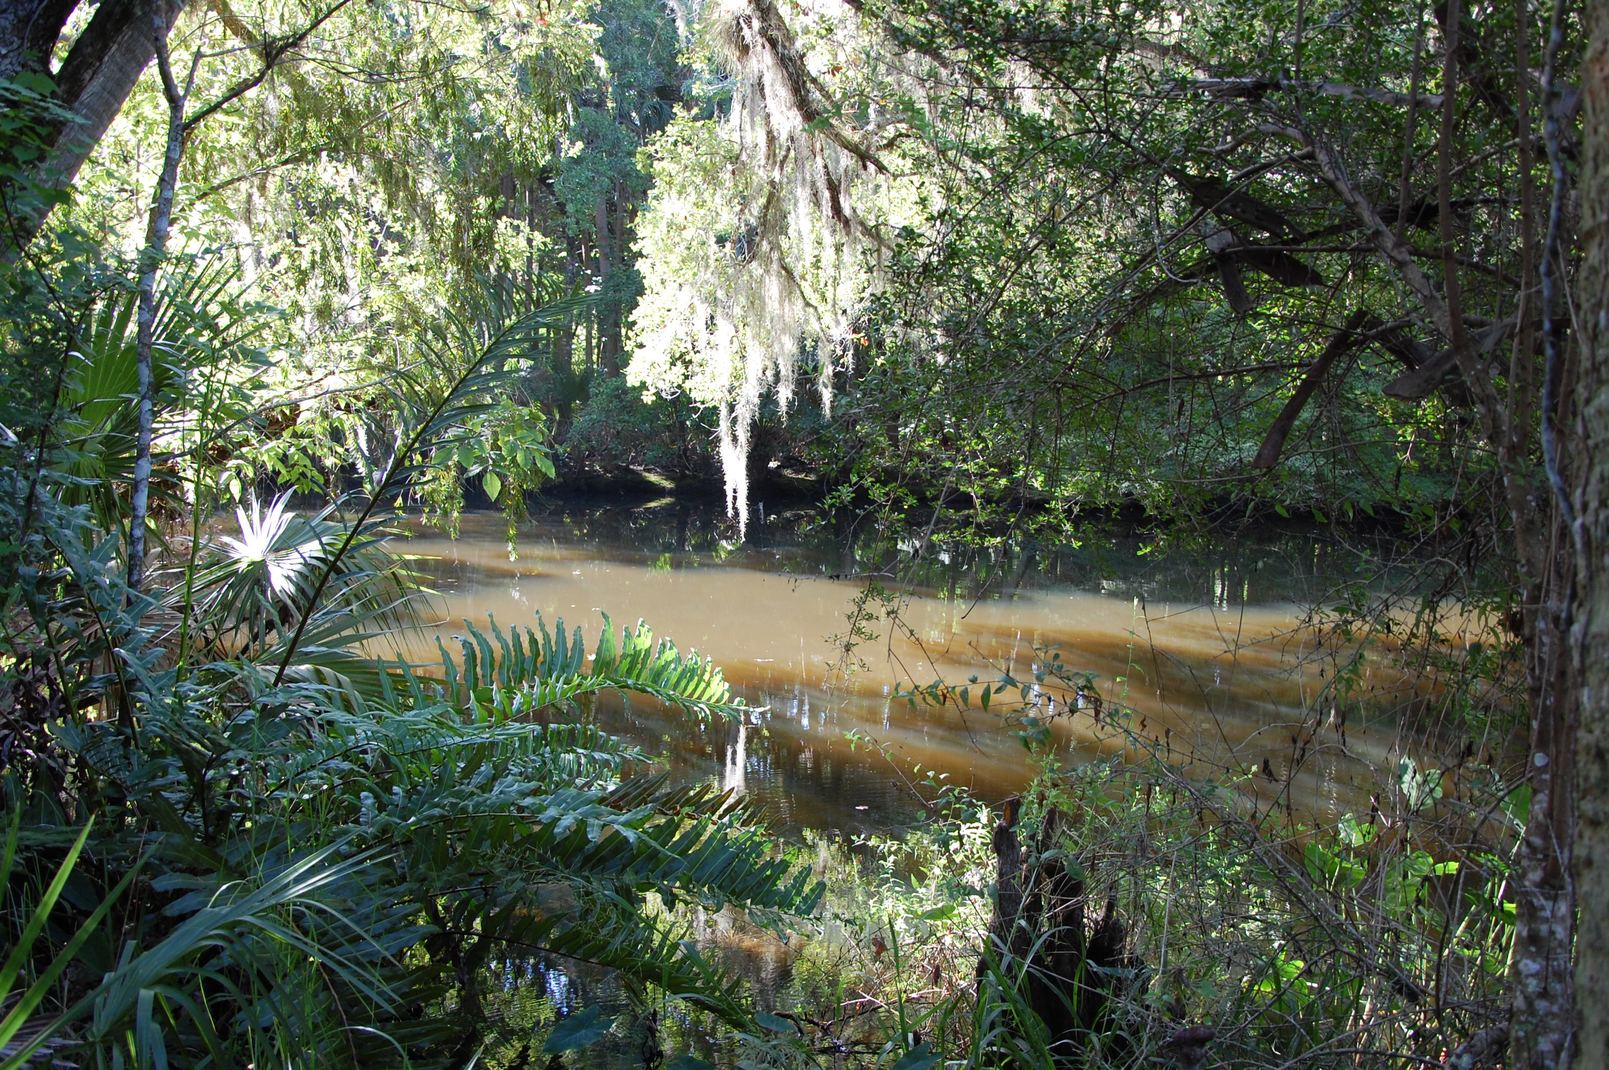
<point>28,33</point>
<point>93,83</point>
<point>1542,1025</point>
<point>1591,635</point>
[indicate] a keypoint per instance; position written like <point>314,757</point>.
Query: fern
<point>532,669</point>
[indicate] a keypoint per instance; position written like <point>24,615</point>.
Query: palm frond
<point>252,584</point>
<point>433,403</point>
<point>201,319</point>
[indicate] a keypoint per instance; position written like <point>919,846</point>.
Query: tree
<point>1272,250</point>
<point>92,83</point>
<point>1590,637</point>
<point>766,205</point>
<point>598,180</point>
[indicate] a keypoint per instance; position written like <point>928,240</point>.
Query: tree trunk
<point>1070,966</point>
<point>1590,640</point>
<point>156,245</point>
<point>564,332</point>
<point>607,315</point>
<point>1543,887</point>
<point>28,33</point>
<point>94,81</point>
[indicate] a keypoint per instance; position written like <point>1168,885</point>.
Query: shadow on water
<point>528,994</point>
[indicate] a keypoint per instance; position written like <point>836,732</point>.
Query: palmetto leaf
<point>201,317</point>
<point>263,543</point>
<point>253,584</point>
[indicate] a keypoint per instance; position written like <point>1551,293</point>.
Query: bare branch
<point>1254,88</point>
<point>1341,342</point>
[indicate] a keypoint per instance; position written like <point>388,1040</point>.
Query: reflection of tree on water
<point>1200,639</point>
<point>1265,564</point>
<point>737,759</point>
<point>528,993</point>
<point>791,762</point>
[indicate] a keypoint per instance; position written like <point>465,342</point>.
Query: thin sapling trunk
<point>151,257</point>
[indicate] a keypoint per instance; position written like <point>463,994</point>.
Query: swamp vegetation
<point>982,298</point>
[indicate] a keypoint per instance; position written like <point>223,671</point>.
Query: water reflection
<point>526,994</point>
<point>1207,644</point>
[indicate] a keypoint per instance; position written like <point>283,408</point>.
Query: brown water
<point>1207,645</point>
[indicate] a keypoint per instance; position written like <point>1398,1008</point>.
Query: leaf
<point>41,913</point>
<point>918,1058</point>
<point>689,1062</point>
<point>1517,805</point>
<point>493,484</point>
<point>581,1029</point>
<point>770,1021</point>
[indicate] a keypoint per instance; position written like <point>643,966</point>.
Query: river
<point>1208,651</point>
<point>1209,642</point>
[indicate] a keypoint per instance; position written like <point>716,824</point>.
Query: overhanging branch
<point>1341,342</point>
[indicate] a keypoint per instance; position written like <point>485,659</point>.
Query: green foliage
<point>1048,327</point>
<point>308,846</point>
<point>1279,930</point>
<point>257,583</point>
<point>530,670</point>
<point>1279,937</point>
<point>428,833</point>
<point>994,233</point>
<point>618,427</point>
<point>29,112</point>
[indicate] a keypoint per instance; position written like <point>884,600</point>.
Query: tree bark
<point>156,245</point>
<point>1341,342</point>
<point>1553,547</point>
<point>28,33</point>
<point>93,83</point>
<point>1070,964</point>
<point>1590,640</point>
<point>608,333</point>
<point>1544,929</point>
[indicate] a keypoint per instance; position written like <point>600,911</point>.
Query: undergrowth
<point>1256,938</point>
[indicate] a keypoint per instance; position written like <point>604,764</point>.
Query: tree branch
<point>1257,87</point>
<point>1341,342</point>
<point>274,49</point>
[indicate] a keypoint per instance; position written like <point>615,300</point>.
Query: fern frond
<point>534,669</point>
<point>615,935</point>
